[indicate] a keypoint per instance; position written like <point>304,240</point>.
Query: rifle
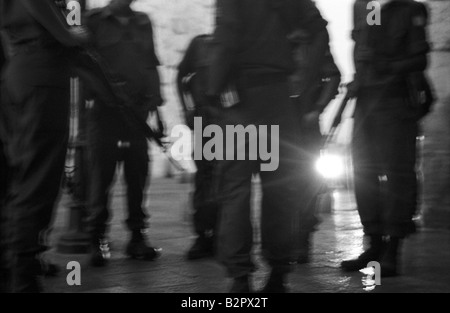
<point>337,119</point>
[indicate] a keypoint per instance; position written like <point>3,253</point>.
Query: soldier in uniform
<point>34,117</point>
<point>386,127</point>
<point>251,45</point>
<point>124,38</point>
<point>192,84</point>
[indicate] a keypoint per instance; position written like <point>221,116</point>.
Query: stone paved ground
<point>425,266</point>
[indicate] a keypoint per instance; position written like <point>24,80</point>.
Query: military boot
<point>202,248</point>
<point>276,282</point>
<point>390,259</point>
<point>241,284</point>
<point>101,253</point>
<point>139,250</point>
<point>374,253</point>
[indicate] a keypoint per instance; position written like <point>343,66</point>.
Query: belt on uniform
<point>33,47</point>
<point>252,81</point>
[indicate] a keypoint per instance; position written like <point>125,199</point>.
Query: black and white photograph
<point>221,153</point>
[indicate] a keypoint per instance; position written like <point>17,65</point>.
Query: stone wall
<point>436,159</point>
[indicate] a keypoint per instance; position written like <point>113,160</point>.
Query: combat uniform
<point>34,117</point>
<point>251,45</point>
<point>192,82</point>
<point>126,44</point>
<point>385,130</point>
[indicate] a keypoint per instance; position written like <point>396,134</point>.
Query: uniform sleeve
<point>186,66</point>
<point>330,69</point>
<point>154,60</point>
<point>225,45</point>
<point>311,19</point>
<point>418,34</point>
<point>48,15</point>
<point>418,46</point>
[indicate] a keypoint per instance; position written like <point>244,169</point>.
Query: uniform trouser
<point>384,155</point>
<point>35,142</point>
<point>205,201</point>
<point>104,157</point>
<point>266,105</point>
<point>310,145</point>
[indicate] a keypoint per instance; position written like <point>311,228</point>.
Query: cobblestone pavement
<point>425,262</point>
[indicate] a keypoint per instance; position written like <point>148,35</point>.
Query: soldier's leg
<point>102,163</point>
<point>367,167</point>
<point>310,146</point>
<point>367,172</point>
<point>36,149</point>
<point>401,184</point>
<point>136,171</point>
<point>285,196</point>
<point>235,234</point>
<point>400,190</point>
<point>205,211</point>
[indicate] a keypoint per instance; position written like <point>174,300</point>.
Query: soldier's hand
<point>352,89</point>
<point>154,102</point>
<point>311,119</point>
<point>81,35</point>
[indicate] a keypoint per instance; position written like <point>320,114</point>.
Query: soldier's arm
<point>155,79</point>
<point>184,69</point>
<point>418,43</point>
<point>225,45</point>
<point>333,80</point>
<point>50,17</point>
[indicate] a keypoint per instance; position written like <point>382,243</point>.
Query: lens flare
<point>330,166</point>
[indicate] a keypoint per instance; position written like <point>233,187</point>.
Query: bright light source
<point>330,166</point>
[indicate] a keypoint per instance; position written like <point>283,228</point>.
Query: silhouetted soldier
<point>251,45</point>
<point>384,143</point>
<point>192,84</point>
<point>124,38</point>
<point>35,111</point>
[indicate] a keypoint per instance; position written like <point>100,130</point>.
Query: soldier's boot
<point>202,248</point>
<point>139,250</point>
<point>390,260</point>
<point>374,253</point>
<point>276,282</point>
<point>305,248</point>
<point>100,253</point>
<point>241,284</point>
<point>24,275</point>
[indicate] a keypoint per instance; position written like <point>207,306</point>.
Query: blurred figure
<point>192,84</point>
<point>250,45</point>
<point>34,117</point>
<point>386,127</point>
<point>124,38</point>
<point>311,91</point>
